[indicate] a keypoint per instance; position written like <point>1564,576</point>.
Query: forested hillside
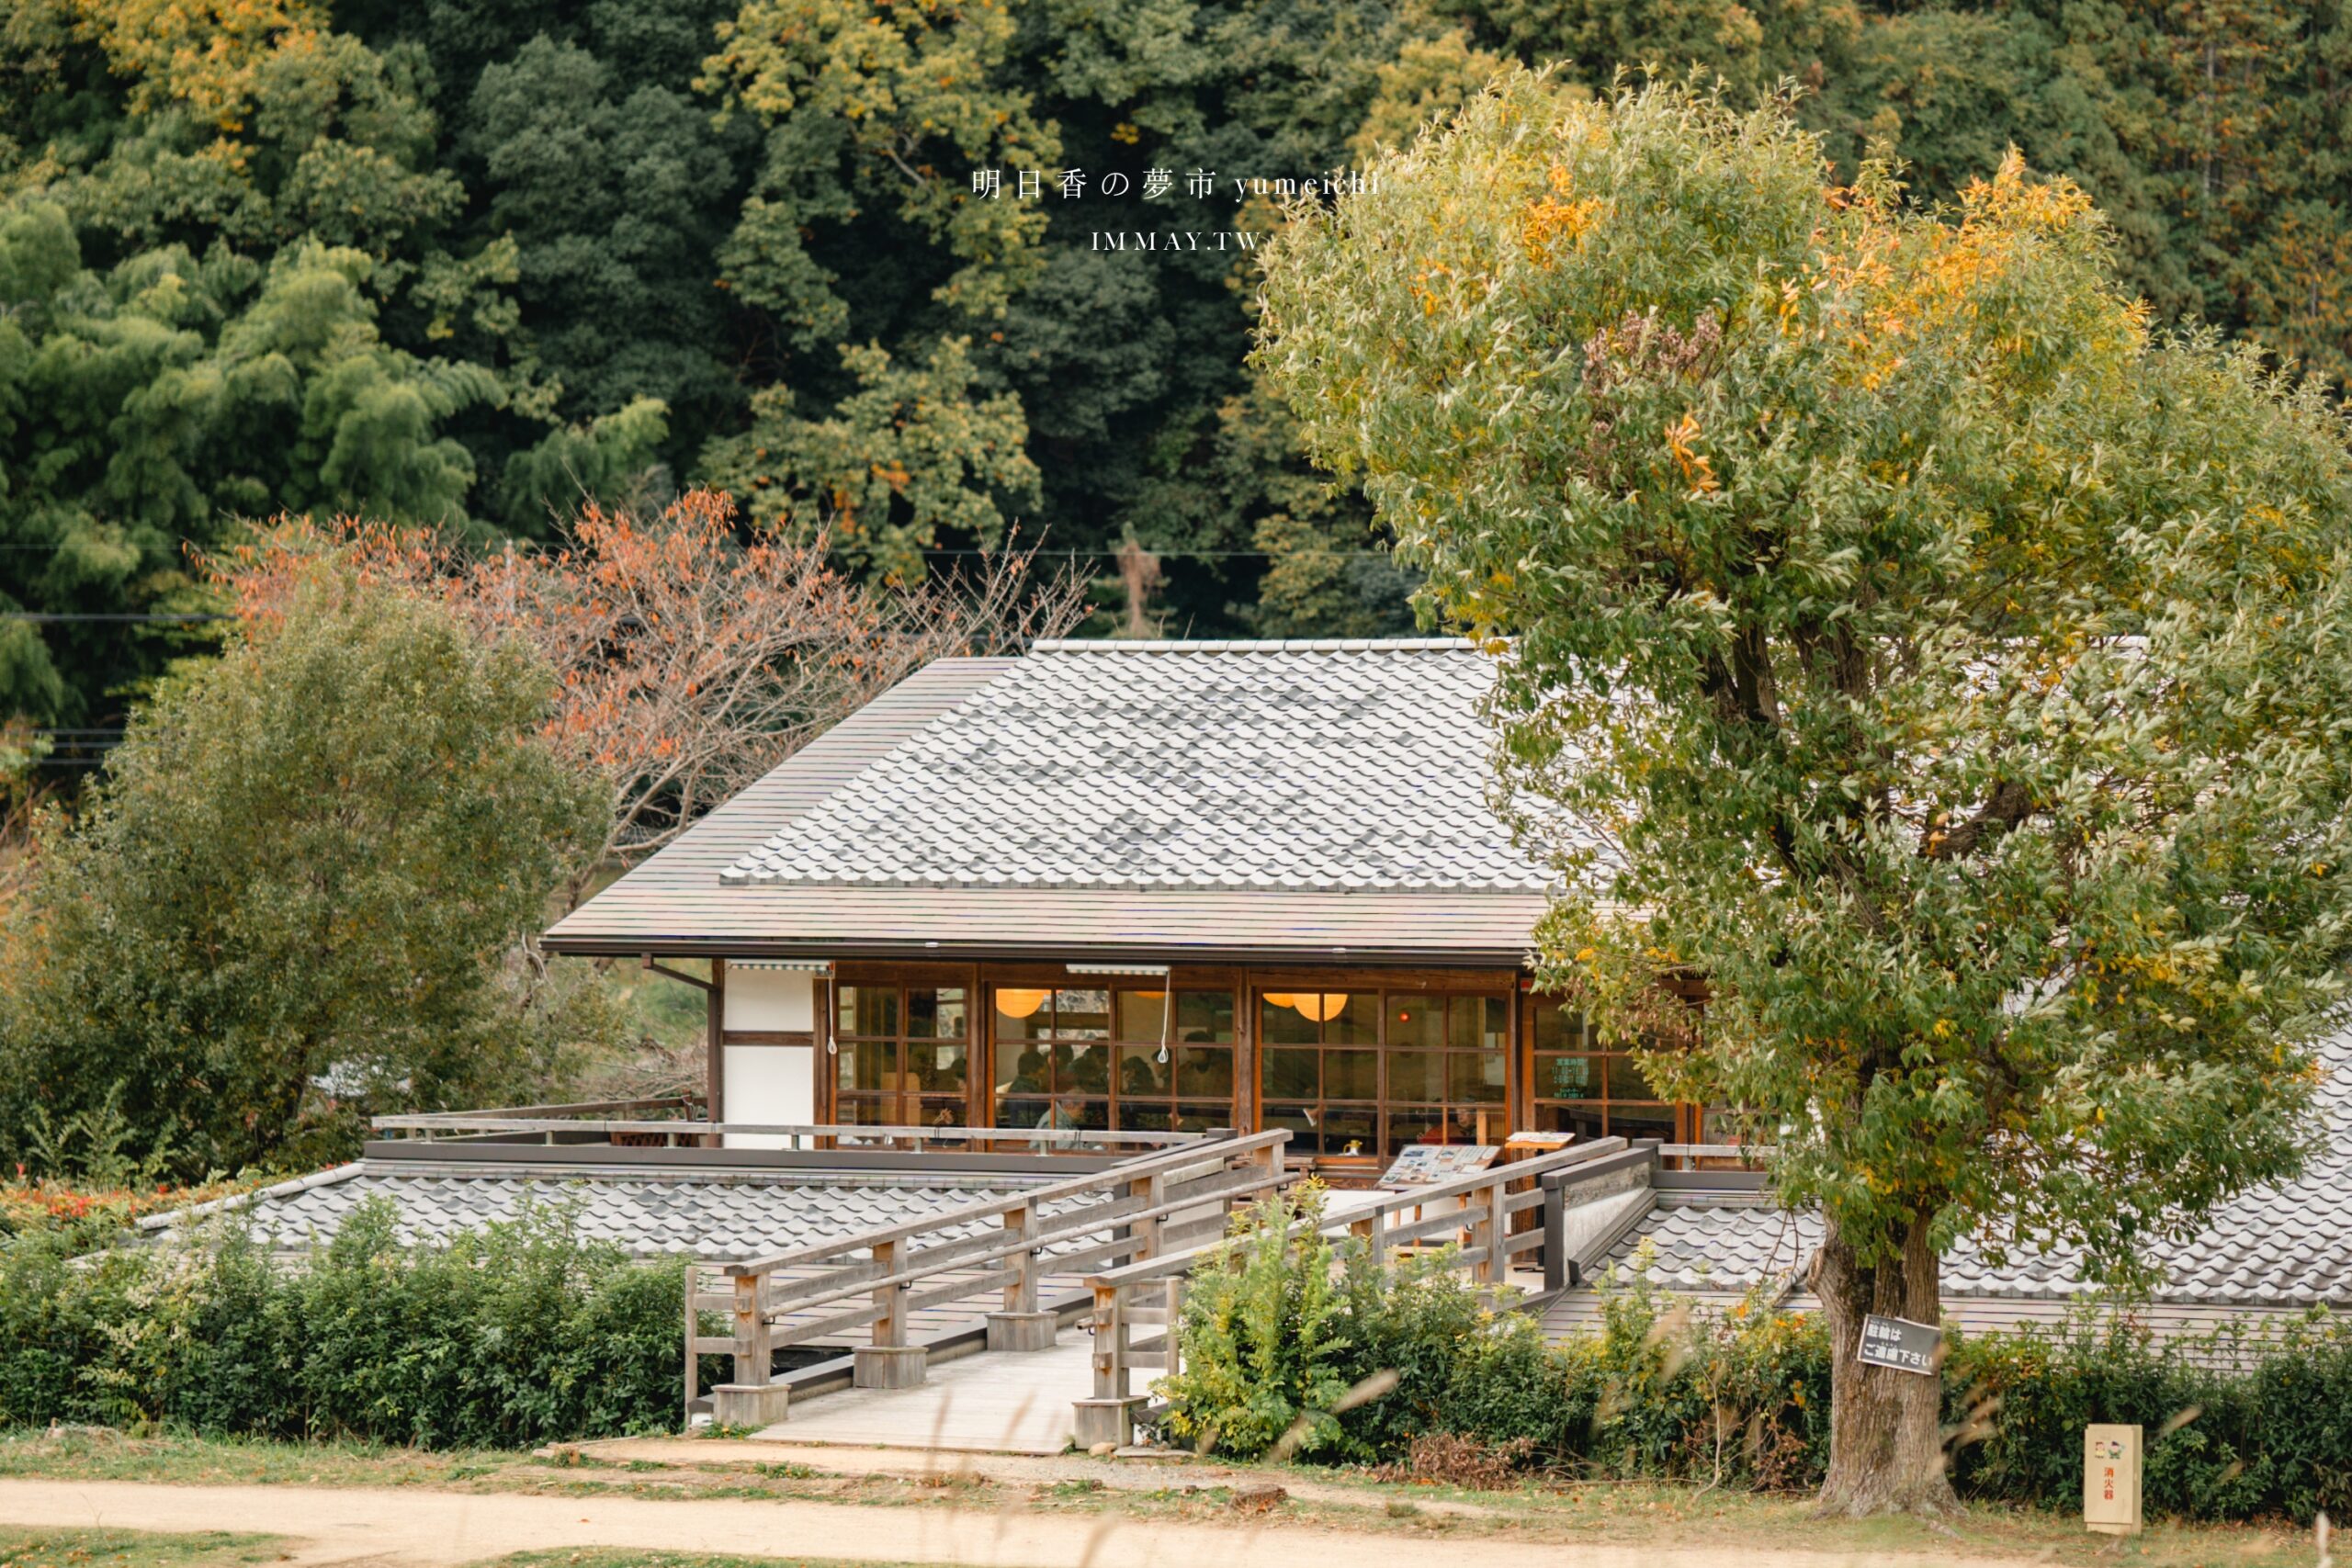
<point>465,260</point>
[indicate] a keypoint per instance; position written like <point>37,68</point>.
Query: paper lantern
<point>1014,1002</point>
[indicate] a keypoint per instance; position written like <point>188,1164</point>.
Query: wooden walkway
<point>923,1324</point>
<point>994,1402</point>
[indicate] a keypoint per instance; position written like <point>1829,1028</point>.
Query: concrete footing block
<point>1021,1330</point>
<point>1098,1421</point>
<point>889,1366</point>
<point>749,1404</point>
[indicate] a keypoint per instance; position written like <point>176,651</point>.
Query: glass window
<point>935,1013</point>
<point>1416,1023</point>
<point>1370,1073</point>
<point>1351,1075</point>
<point>1474,1077</point>
<point>1294,1074</point>
<point>1056,1043</point>
<point>1416,1076</point>
<point>1205,1018</point>
<point>1624,1080</point>
<point>1281,1024</point>
<point>1083,1015</point>
<point>903,1055</point>
<point>1202,1074</point>
<point>1591,1092</point>
<point>867,1010</point>
<point>1023,1014</point>
<point>1142,1014</point>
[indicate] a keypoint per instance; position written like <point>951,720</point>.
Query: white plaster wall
<point>776,1084</point>
<point>770,999</point>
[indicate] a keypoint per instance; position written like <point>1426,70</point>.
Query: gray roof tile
<point>2283,1246</point>
<point>1322,766</point>
<point>648,1215</point>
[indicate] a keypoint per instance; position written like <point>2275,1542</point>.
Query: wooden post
<point>1020,1326</point>
<point>888,1361</point>
<point>715,1032</point>
<point>754,1398</point>
<point>1169,1361</point>
<point>1109,1418</point>
<point>694,1361</point>
<point>1145,1233</point>
<point>1488,1232</point>
<point>753,1344</point>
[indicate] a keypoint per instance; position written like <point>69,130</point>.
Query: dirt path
<point>1131,1474</point>
<point>410,1528</point>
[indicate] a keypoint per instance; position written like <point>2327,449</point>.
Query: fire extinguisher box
<point>2112,1479</point>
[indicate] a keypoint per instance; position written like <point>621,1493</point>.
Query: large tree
<point>292,900</point>
<point>1899,640</point>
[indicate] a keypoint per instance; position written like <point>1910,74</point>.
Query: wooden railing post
<point>1108,1420</point>
<point>754,1398</point>
<point>1170,1362</point>
<point>1021,1326</point>
<point>888,1361</point>
<point>694,1358</point>
<point>1486,1233</point>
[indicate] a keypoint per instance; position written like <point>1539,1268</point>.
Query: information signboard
<point>1900,1344</point>
<point>1424,1165</point>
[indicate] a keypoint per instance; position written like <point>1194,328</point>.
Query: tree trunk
<point>1886,1452</point>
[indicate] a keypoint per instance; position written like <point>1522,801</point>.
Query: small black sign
<point>1901,1344</point>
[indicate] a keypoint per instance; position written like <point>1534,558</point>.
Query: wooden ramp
<point>1000,1403</point>
<point>924,1325</point>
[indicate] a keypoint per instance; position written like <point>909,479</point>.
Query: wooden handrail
<point>1486,1207</point>
<point>490,1122</point>
<point>1181,1262</point>
<point>1219,1152</point>
<point>1114,1214</point>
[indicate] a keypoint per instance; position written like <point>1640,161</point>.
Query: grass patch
<point>21,1547</point>
<point>1535,1515</point>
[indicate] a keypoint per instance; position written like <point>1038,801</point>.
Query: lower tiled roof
<point>648,1215</point>
<point>2284,1246</point>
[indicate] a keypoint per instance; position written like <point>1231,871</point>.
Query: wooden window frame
<point>1169,1107</point>
<point>1495,1118</point>
<point>905,1096</point>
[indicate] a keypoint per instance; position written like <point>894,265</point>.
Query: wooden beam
<point>694,980</point>
<point>713,1035</point>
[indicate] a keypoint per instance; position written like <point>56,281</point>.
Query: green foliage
<point>1260,1341</point>
<point>291,902</point>
<point>523,1333</point>
<point>2241,1423</point>
<point>716,209</point>
<point>1956,670</point>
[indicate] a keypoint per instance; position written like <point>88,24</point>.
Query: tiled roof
<point>1324,766</point>
<point>1354,822</point>
<point>711,1217</point>
<point>2288,1245</point>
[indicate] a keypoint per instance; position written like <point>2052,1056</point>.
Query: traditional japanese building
<point>1137,885</point>
<point>1149,888</point>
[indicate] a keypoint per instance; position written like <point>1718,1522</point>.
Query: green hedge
<point>2237,1428</point>
<point>518,1335</point>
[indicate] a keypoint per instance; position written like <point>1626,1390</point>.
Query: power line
<point>39,618</point>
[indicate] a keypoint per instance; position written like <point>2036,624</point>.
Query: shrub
<point>2236,1426</point>
<point>1411,1369</point>
<point>1262,1355</point>
<point>520,1334</point>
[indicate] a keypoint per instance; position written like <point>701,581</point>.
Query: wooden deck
<point>998,1403</point>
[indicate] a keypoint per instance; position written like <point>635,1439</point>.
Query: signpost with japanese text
<point>1901,1345</point>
